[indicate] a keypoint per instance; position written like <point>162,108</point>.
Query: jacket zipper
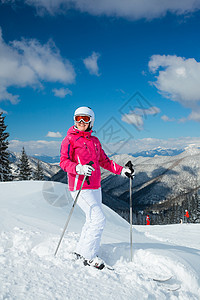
<point>96,148</point>
<point>87,148</point>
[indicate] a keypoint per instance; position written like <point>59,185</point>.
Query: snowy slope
<point>32,217</point>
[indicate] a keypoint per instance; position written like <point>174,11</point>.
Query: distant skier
<point>148,220</point>
<point>78,148</point>
<point>187,215</point>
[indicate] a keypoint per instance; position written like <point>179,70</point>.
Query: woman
<point>78,148</point>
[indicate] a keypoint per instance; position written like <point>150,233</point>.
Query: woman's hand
<point>127,172</point>
<point>84,170</point>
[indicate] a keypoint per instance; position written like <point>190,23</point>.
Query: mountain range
<point>160,151</point>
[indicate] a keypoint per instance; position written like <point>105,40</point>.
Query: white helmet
<point>85,111</point>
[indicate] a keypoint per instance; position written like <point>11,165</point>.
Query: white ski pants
<point>90,201</point>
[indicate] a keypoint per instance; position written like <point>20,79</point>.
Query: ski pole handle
<point>87,178</point>
<point>130,166</point>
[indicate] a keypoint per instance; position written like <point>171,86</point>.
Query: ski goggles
<point>85,119</point>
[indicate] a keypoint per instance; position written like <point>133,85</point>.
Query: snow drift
<point>32,218</point>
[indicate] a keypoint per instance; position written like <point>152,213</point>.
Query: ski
<point>162,279</point>
<point>163,282</point>
<point>109,268</point>
<point>170,287</point>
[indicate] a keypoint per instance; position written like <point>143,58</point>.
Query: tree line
<point>24,171</point>
<point>171,213</point>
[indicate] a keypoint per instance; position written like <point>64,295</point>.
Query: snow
<point>33,215</point>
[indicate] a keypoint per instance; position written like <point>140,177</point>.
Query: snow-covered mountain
<point>158,151</point>
<point>48,168</point>
<point>33,215</point>
<point>157,179</point>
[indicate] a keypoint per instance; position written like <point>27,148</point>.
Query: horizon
<point>140,148</point>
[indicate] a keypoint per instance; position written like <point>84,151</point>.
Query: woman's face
<point>82,126</point>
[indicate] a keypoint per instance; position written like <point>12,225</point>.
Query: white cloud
<point>178,79</point>
<point>91,63</point>
<point>62,93</point>
<point>133,118</point>
<point>167,119</point>
<point>54,134</point>
<point>153,110</point>
<point>29,63</point>
<point>195,115</point>
<point>129,9</point>
<point>137,116</point>
<point>32,147</point>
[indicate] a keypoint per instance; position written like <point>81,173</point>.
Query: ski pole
<point>130,166</point>
<point>131,220</point>
<point>67,222</point>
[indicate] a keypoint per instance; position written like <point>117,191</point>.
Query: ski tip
<point>171,288</point>
<point>162,279</point>
<point>109,268</point>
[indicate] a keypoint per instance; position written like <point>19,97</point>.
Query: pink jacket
<point>81,147</point>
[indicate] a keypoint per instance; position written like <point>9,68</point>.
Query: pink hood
<point>81,147</point>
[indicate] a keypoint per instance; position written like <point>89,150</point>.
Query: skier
<point>148,220</point>
<point>187,215</point>
<point>78,148</point>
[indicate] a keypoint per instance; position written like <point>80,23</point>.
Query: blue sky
<point>136,64</point>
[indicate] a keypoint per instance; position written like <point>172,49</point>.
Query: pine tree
<point>24,167</point>
<point>38,174</point>
<point>5,170</point>
<point>198,208</point>
<point>179,214</point>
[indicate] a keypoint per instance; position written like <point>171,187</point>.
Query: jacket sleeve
<point>108,164</point>
<point>66,154</point>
